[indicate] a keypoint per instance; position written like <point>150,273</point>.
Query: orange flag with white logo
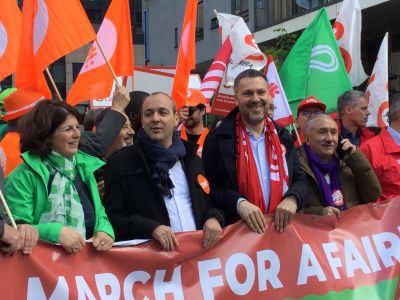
<point>50,30</point>
<point>115,37</point>
<point>186,56</point>
<point>10,31</point>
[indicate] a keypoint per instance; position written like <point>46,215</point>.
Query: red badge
<point>203,182</point>
<point>338,198</point>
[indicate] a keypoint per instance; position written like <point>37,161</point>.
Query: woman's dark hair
<point>40,123</point>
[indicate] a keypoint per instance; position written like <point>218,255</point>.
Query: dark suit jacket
<point>133,203</point>
<point>219,156</point>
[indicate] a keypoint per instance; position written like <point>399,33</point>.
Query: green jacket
<point>26,193</point>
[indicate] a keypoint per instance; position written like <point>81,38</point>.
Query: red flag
<point>115,37</point>
<point>50,30</point>
<point>211,82</point>
<point>10,32</point>
<point>186,56</point>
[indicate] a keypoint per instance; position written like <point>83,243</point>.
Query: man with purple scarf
<point>339,175</point>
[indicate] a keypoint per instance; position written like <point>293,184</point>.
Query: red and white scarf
<point>247,174</point>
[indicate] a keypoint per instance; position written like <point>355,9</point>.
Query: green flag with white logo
<point>314,66</point>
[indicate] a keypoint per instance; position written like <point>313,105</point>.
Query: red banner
<point>354,257</point>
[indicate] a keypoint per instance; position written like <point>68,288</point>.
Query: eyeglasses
<point>309,113</point>
<point>192,109</point>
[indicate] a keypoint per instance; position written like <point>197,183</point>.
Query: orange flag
<point>10,31</point>
<point>186,56</point>
<point>115,37</point>
<point>50,30</point>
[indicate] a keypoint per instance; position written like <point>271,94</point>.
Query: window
<point>57,71</point>
<point>6,83</point>
<point>214,23</point>
<point>241,8</point>
<point>176,37</point>
<point>76,68</point>
<point>200,21</point>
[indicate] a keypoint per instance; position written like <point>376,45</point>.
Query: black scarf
<point>162,159</point>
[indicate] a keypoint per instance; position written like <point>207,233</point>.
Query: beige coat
<point>358,180</point>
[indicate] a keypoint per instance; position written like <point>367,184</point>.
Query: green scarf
<point>63,205</point>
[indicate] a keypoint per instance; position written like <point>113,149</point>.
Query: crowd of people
<point>144,170</point>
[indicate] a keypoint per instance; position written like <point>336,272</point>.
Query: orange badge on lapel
<point>203,182</point>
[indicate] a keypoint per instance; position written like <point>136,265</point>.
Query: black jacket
<point>219,156</point>
<point>133,203</point>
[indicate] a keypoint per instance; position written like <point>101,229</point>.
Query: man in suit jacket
<point>157,187</point>
<point>251,163</point>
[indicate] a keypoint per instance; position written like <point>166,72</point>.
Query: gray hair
<point>310,123</point>
<point>394,108</point>
<point>248,73</point>
<point>349,98</point>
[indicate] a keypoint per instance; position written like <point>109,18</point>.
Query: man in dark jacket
<point>157,187</point>
<point>251,163</point>
<point>337,182</point>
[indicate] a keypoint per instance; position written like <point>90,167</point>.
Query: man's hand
<point>28,236</point>
<point>212,232</point>
<point>330,210</point>
<point>252,215</point>
<point>102,241</point>
<point>284,213</point>
<point>120,99</point>
<point>11,239</point>
<point>183,113</point>
<point>71,240</point>
<point>166,237</point>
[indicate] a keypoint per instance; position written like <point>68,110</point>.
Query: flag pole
<point>108,64</point>
<point>53,84</point>
<point>3,201</point>
<point>297,135</point>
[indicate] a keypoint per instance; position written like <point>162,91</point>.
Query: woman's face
<point>65,138</point>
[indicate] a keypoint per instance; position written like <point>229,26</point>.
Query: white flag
<point>347,30</point>
<point>245,52</point>
<point>377,90</point>
<point>282,114</point>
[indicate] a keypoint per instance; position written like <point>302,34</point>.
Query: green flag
<point>314,66</point>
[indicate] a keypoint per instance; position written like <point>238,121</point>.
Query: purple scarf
<point>320,168</point>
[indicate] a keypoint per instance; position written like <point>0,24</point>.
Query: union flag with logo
<point>115,37</point>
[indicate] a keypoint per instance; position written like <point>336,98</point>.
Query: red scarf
<point>247,174</point>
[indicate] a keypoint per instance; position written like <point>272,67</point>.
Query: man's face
<point>323,138</point>
<point>125,136</point>
<point>253,97</point>
<point>305,115</point>
<point>195,117</point>
<point>159,119</point>
<point>359,113</point>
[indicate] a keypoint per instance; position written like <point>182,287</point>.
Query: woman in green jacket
<point>55,189</point>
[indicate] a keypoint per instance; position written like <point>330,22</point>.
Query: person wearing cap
<point>353,112</point>
<point>308,108</point>
<point>16,104</point>
<point>193,129</point>
<point>252,163</point>
<point>157,186</point>
<point>338,174</point>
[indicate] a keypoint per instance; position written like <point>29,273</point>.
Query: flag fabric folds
<point>282,114</point>
<point>378,88</point>
<point>347,29</point>
<point>186,56</point>
<point>245,52</point>
<point>314,66</point>
<point>95,81</point>
<point>212,80</point>
<point>50,30</point>
<point>10,32</point>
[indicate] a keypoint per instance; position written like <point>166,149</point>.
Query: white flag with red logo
<point>282,114</point>
<point>211,82</point>
<point>245,52</point>
<point>347,30</point>
<point>378,88</point>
